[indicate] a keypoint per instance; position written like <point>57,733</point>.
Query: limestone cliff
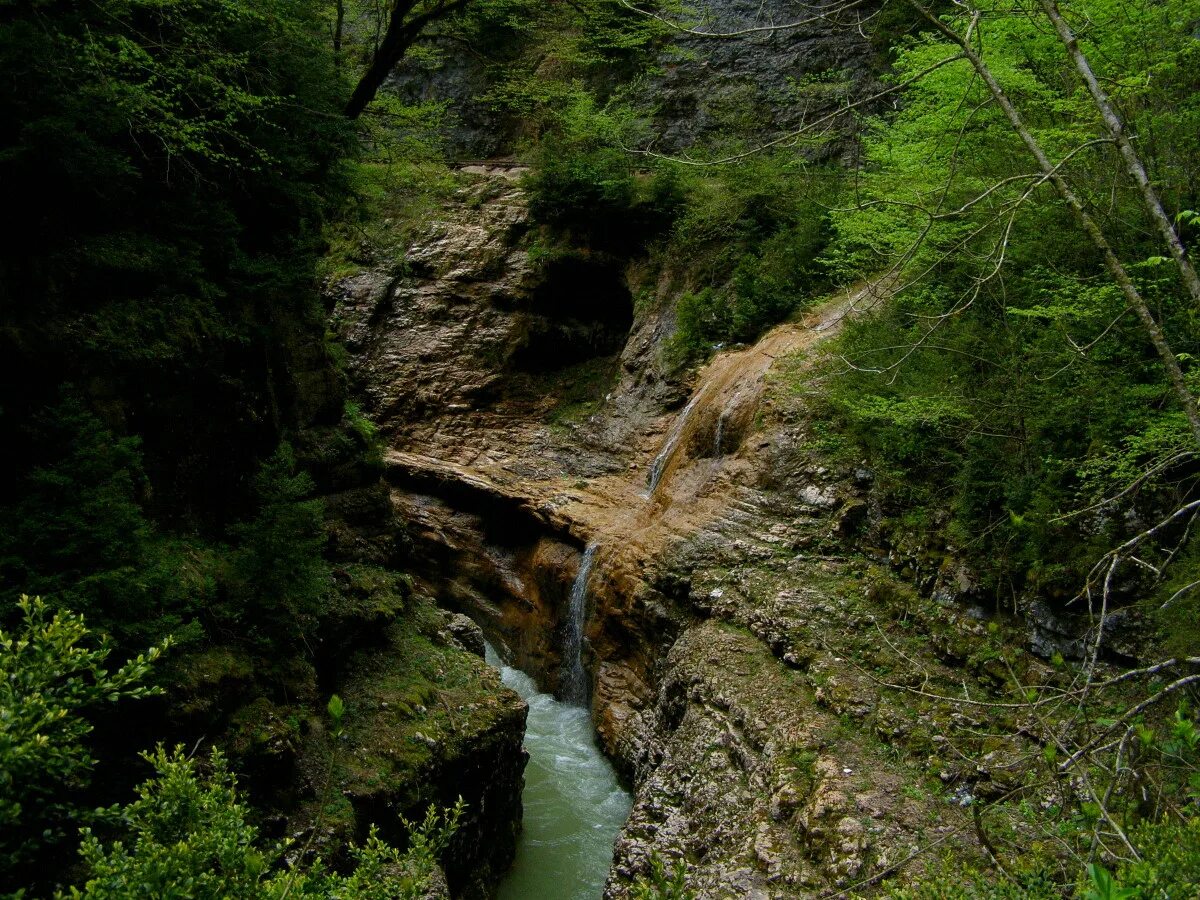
<point>738,612</point>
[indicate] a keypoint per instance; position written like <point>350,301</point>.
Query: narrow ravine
<point>574,804</point>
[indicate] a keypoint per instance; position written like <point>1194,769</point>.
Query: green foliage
<point>1170,863</point>
<point>663,883</point>
<point>78,533</point>
<point>999,391</point>
<point>336,709</point>
<point>544,55</point>
<point>123,100</point>
<point>79,530</point>
<point>188,837</point>
<point>1169,867</point>
<point>361,425</point>
<point>951,880</point>
<point>394,183</point>
<point>755,230</point>
<point>561,69</point>
<point>583,181</point>
<point>76,530</point>
<point>1103,887</point>
<point>279,577</point>
<point>769,283</point>
<point>170,163</point>
<point>52,673</point>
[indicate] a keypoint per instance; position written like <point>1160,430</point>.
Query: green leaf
<point>336,709</point>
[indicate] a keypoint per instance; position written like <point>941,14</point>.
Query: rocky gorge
<point>803,699</point>
<point>733,587</point>
<point>508,450</point>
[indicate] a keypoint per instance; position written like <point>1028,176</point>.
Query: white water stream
<point>664,455</point>
<point>574,805</point>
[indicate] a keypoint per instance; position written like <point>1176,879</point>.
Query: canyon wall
<point>732,609</point>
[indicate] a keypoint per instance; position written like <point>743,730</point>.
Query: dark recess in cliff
<point>581,309</point>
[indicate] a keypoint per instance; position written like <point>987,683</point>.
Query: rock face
<point>511,576</point>
<point>778,699</point>
<point>465,335</point>
<point>773,79</point>
<point>420,328</point>
<point>468,635</point>
<point>715,598</point>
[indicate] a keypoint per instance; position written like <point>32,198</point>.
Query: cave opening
<point>580,310</point>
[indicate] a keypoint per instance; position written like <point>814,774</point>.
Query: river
<point>574,804</point>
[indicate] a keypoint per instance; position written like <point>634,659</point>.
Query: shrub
<point>188,838</point>
<point>757,230</point>
<point>583,181</point>
<point>1170,863</point>
<point>49,679</point>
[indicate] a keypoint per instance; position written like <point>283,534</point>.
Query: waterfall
<point>573,680</point>
<point>720,433</point>
<point>664,455</point>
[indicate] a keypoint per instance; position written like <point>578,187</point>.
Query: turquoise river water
<point>574,805</point>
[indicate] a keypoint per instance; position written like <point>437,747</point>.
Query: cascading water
<point>664,455</point>
<point>573,680</point>
<point>574,805</point>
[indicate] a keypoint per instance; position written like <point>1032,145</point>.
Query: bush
<point>49,679</point>
<point>757,230</point>
<point>583,181</point>
<point>188,838</point>
<point>768,285</point>
<point>1170,863</point>
<point>581,188</point>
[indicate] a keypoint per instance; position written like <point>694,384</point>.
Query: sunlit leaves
<point>52,671</point>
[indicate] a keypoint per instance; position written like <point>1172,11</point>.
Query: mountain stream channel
<point>574,806</point>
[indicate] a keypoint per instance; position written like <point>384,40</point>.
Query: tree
<point>1134,166</point>
<point>962,31</point>
<point>171,163</point>
<point>278,571</point>
<point>76,530</point>
<point>407,20</point>
<point>1052,172</point>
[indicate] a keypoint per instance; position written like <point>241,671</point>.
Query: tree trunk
<point>400,35</point>
<point>338,26</point>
